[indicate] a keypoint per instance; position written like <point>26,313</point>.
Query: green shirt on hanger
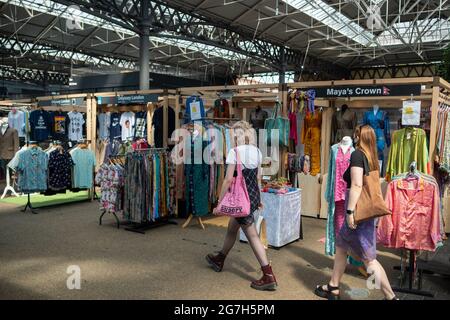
<point>408,145</point>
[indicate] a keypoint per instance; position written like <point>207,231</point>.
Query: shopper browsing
<point>358,239</point>
<point>247,154</point>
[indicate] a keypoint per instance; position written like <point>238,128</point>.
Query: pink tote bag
<point>236,202</point>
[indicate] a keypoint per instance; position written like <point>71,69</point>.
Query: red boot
<point>267,282</point>
<point>216,261</point>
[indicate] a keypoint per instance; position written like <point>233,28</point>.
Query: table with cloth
<point>281,217</point>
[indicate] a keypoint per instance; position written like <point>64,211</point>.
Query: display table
<point>282,218</point>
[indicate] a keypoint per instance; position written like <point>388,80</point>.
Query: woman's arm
<point>227,181</point>
<point>355,192</point>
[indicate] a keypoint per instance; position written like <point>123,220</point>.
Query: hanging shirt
<point>32,168</point>
<point>415,220</point>
<point>59,128</point>
<point>75,126</point>
<point>158,122</point>
<point>408,145</point>
<point>60,170</point>
<point>40,125</point>
<point>115,130</point>
<point>127,121</point>
<point>104,122</point>
<point>194,109</point>
<point>16,120</point>
<point>84,164</point>
<point>379,121</point>
<point>141,125</point>
<point>258,118</point>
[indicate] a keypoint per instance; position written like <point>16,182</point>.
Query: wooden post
<point>177,111</point>
<point>433,125</point>
<point>92,102</point>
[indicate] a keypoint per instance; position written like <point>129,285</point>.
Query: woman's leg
<point>340,263</point>
<point>230,238</point>
<point>256,244</point>
<point>381,279</point>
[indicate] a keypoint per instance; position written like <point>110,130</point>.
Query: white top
<point>75,125</point>
<point>16,120</point>
<point>104,121</point>
<point>250,156</point>
<point>127,121</point>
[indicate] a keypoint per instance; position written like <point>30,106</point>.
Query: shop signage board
<point>62,102</point>
<point>126,99</point>
<point>368,91</point>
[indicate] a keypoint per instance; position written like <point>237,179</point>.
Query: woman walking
<point>359,240</point>
<point>250,157</point>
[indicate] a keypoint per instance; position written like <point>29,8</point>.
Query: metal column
<point>144,47</point>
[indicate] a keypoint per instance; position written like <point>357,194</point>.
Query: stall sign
<point>127,99</point>
<point>62,102</point>
<point>368,91</point>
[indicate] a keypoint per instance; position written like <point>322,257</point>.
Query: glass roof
<point>322,12</point>
<point>430,30</point>
<point>56,9</point>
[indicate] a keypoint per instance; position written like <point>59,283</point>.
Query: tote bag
<point>279,123</point>
<point>236,202</point>
<point>370,204</point>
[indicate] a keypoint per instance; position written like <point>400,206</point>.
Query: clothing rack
<point>142,227</point>
<point>412,264</point>
<point>111,160</point>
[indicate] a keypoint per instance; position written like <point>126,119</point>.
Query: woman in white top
<point>251,159</point>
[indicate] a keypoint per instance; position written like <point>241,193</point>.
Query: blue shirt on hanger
<point>32,167</point>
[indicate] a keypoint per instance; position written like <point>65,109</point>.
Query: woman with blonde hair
<point>360,239</point>
<point>250,157</point>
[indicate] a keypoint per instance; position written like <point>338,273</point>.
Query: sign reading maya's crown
<point>368,91</point>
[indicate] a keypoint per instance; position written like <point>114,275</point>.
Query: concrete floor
<point>165,263</point>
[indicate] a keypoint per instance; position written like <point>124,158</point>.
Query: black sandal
<point>328,293</point>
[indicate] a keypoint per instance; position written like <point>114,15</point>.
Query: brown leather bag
<point>371,204</point>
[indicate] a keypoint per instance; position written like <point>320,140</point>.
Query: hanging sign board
<point>127,99</point>
<point>62,102</point>
<point>411,113</point>
<point>368,91</point>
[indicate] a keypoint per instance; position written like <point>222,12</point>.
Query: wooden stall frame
<point>432,88</point>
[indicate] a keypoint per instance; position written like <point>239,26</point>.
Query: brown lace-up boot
<point>216,261</point>
<point>267,282</point>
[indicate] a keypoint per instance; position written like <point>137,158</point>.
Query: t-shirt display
<point>140,129</point>
<point>60,165</point>
<point>16,120</point>
<point>59,125</point>
<point>127,121</point>
<point>84,164</point>
<point>157,123</point>
<point>104,122</point>
<point>40,125</point>
<point>115,130</point>
<point>76,122</point>
<point>343,124</point>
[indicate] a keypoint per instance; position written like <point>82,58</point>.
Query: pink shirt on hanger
<point>415,220</point>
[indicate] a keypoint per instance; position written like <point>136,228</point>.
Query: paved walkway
<point>165,263</point>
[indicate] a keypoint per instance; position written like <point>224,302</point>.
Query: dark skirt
<point>251,181</point>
